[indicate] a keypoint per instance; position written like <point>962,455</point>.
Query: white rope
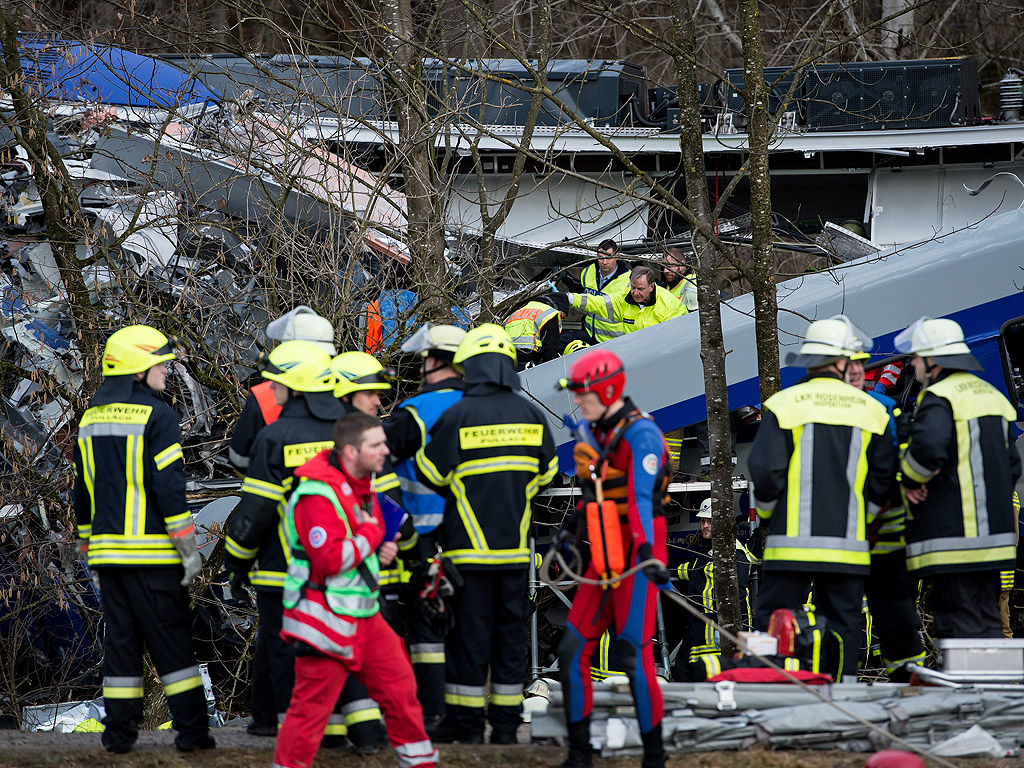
<point>547,577</point>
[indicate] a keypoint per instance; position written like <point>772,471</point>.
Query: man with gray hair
<point>645,303</point>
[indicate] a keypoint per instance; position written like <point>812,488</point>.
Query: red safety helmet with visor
<point>599,371</point>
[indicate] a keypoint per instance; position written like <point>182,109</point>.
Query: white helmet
<point>705,510</point>
<point>941,338</point>
<point>440,341</point>
<point>829,340</point>
<point>303,324</point>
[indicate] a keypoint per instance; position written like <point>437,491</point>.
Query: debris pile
<point>702,717</point>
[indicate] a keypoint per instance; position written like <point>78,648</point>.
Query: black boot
<point>654,750</point>
<point>580,752</point>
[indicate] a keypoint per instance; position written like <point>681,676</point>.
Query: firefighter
<point>333,527</point>
<point>891,594</point>
<point>138,537</point>
<point>491,453</point>
<point>260,407</point>
<point>629,453</point>
<point>303,385</point>
<point>535,330</point>
<point>958,473</point>
<point>699,574</point>
<point>408,430</point>
<point>821,464</point>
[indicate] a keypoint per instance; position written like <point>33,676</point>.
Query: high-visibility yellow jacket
<point>821,465</point>
<point>604,327</point>
<point>686,291</point>
<point>525,325</point>
<point>633,316</point>
<point>960,445</point>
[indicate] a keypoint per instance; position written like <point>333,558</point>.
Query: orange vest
<point>265,400</point>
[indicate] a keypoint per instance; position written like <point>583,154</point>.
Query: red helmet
<point>599,371</point>
<point>894,758</point>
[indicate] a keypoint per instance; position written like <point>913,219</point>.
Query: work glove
<point>238,581</point>
<point>559,301</point>
<point>82,550</point>
<point>190,559</point>
<point>657,574</point>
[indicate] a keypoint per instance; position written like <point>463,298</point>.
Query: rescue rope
<point>546,576</point>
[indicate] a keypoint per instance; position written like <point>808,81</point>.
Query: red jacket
<point>331,550</point>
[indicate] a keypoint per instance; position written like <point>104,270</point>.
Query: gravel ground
<point>236,749</point>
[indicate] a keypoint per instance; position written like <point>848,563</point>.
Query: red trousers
<point>381,662</point>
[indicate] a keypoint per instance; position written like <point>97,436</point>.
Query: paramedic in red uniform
<point>334,529</point>
<point>632,446</point>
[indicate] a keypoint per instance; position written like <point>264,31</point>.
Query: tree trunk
<point>759,133</point>
<point>416,144</point>
<point>65,225</point>
<point>712,352</point>
<point>895,32</point>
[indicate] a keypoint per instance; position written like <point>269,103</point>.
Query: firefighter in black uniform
<point>699,574</point>
<point>491,453</point>
<point>132,520</point>
<point>408,430</point>
<point>891,593</point>
<point>303,382</point>
<point>821,464</point>
<point>260,408</point>
<point>958,472</point>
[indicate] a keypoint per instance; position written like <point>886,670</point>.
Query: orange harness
<point>606,515</point>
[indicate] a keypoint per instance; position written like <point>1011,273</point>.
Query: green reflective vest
<point>348,593</point>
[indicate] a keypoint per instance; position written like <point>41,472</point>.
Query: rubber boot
<point>654,750</point>
<point>580,751</point>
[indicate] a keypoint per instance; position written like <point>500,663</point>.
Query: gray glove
<point>190,559</point>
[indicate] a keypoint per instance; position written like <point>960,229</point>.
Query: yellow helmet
<point>358,371</point>
<point>575,346</point>
<point>483,339</point>
<point>135,349</point>
<point>300,365</point>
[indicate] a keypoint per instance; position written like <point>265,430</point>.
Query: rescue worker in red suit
<point>334,530</point>
<point>632,450</point>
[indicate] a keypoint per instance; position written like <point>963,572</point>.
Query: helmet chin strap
<point>844,371</point>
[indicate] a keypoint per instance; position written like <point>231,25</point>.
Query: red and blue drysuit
<point>634,451</point>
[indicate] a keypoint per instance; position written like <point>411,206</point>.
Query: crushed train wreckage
<point>182,192</point>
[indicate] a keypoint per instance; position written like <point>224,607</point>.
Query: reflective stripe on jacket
<point>254,529</point>
<point>607,326</point>
<point>686,291</point>
<point>129,493</point>
<point>525,324</point>
<point>348,593</point>
<point>960,446</point>
<point>620,306</point>
<point>821,464</point>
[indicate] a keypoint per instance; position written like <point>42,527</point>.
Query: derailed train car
<point>974,276</point>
